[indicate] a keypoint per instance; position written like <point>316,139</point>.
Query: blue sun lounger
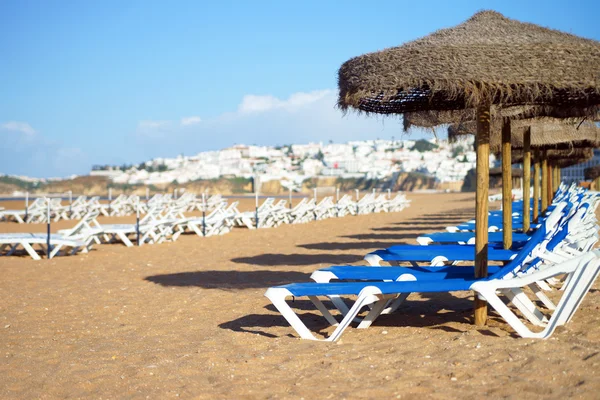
<point>351,272</point>
<point>376,295</point>
<point>541,247</point>
<point>439,254</point>
<point>540,243</point>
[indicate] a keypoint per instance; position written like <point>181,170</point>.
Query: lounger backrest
<point>232,209</point>
<point>565,230</point>
<point>87,222</point>
<point>300,205</point>
<point>536,240</point>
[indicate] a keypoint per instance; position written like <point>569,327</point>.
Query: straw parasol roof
<point>592,173</point>
<point>561,158</point>
<point>432,119</point>
<point>515,173</point>
<point>546,133</point>
<point>567,162</point>
<point>489,59</point>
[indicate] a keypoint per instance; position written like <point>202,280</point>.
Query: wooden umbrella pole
<point>536,186</point>
<point>526,178</point>
<point>481,206</point>
<point>506,186</point>
<point>550,183</point>
<point>544,182</point>
<point>550,193</point>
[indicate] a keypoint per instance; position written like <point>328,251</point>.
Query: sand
<point>189,320</point>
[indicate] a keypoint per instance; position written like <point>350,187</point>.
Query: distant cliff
<point>98,186</point>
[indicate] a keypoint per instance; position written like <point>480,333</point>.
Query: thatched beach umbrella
<point>547,133</point>
<point>488,60</point>
<point>593,174</point>
<point>542,133</point>
<point>556,159</point>
<point>564,158</point>
<point>516,174</point>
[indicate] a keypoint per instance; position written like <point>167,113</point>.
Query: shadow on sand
<point>298,259</point>
<point>229,280</point>
<point>364,247</point>
<point>416,227</point>
<point>441,311</point>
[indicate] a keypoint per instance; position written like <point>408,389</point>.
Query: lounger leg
<point>566,279</point>
<point>125,239</point>
<point>277,297</point>
<point>364,298</point>
<point>55,250</point>
<point>321,307</point>
<point>535,288</point>
<point>566,317</point>
<point>525,306</point>
<point>505,312</point>
<point>195,229</point>
<point>552,281</point>
<point>30,251</point>
<point>394,304</point>
<point>339,303</point>
<point>544,286</point>
<point>13,248</point>
<point>373,314</point>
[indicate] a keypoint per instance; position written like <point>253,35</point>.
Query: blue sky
<point>97,82</point>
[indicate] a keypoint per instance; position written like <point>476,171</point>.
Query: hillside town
<point>292,164</point>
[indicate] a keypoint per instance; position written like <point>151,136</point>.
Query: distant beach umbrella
<point>48,234</point>
<point>592,173</point>
<point>203,214</point>
<point>545,133</point>
<point>559,156</point>
<point>137,220</point>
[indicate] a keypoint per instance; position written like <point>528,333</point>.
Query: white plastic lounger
<point>87,230</point>
<point>13,242</point>
<point>156,232</point>
<point>583,271</point>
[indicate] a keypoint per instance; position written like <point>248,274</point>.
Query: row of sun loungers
<point>557,254</point>
<point>122,205</point>
<point>164,220</point>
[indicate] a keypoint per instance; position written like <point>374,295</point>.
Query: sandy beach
<point>189,320</point>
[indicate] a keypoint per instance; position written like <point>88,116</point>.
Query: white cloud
<point>149,124</point>
<point>18,127</point>
<point>266,120</point>
<point>193,120</point>
<point>252,103</point>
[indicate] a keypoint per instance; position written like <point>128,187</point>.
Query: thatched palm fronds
<point>497,172</point>
<point>592,173</point>
<point>546,133</point>
<point>433,118</point>
<point>560,158</point>
<point>489,59</point>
